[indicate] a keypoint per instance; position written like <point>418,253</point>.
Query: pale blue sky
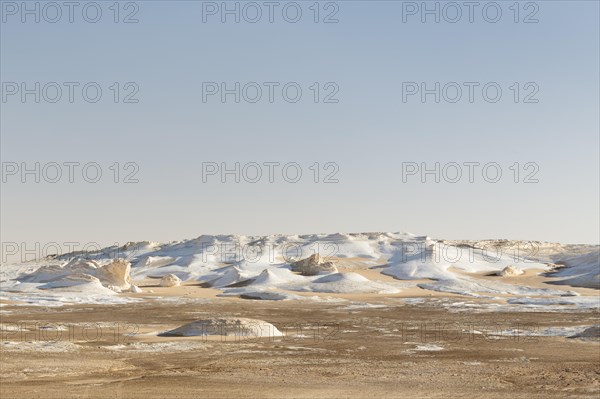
<point>369,133</point>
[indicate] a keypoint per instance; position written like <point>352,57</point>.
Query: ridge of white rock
<point>261,266</point>
<point>580,271</point>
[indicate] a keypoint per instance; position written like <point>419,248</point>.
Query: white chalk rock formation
<point>510,271</point>
<point>313,265</point>
<point>170,280</point>
<point>115,274</point>
<point>228,326</point>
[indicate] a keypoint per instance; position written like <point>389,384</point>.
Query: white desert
<point>384,315</point>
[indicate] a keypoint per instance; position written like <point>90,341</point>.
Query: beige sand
<point>389,352</point>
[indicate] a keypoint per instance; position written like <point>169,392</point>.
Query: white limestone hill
<point>266,267</point>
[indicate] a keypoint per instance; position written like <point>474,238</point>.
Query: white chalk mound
<point>313,265</point>
<point>346,283</point>
<point>510,271</point>
<point>170,280</point>
<point>275,278</point>
<point>228,326</point>
<point>77,283</point>
<point>70,281</point>
<point>232,275</point>
<point>342,277</point>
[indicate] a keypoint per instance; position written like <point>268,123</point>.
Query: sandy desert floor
<point>386,348</point>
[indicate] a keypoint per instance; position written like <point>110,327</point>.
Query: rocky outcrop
<point>510,271</point>
<point>170,280</point>
<point>313,265</point>
<point>115,275</point>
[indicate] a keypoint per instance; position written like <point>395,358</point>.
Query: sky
<point>481,124</point>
